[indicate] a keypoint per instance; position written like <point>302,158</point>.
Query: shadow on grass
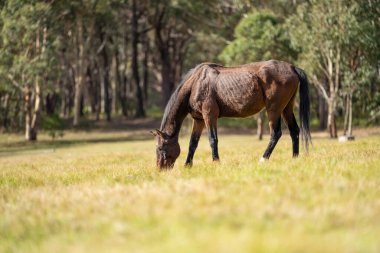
<point>19,147</point>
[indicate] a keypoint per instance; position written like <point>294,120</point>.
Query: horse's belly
<point>243,102</point>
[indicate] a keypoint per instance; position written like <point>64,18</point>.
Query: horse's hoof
<point>263,160</point>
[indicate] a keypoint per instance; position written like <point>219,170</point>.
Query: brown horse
<point>210,91</point>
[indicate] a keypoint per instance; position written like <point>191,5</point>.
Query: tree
<point>89,57</point>
<point>367,94</point>
<point>260,35</point>
<point>84,29</point>
<point>171,37</point>
<point>25,55</point>
<point>136,13</point>
<point>324,32</point>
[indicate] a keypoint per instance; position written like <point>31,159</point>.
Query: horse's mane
<point>173,97</point>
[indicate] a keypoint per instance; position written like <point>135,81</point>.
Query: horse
<point>211,91</point>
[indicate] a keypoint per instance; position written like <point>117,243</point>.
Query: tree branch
<point>100,48</point>
<point>145,30</point>
<point>14,82</point>
<point>320,86</point>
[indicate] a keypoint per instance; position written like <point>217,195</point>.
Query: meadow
<point>100,192</point>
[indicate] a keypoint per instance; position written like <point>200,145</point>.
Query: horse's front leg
<point>198,126</point>
<point>210,115</point>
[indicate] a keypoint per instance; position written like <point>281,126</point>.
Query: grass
<point>100,192</point>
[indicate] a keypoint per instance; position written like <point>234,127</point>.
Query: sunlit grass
<point>86,196</point>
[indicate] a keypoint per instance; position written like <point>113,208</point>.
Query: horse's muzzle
<point>165,164</point>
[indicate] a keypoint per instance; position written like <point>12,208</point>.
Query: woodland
<point>62,62</point>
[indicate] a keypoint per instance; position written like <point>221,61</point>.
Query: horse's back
<point>277,71</point>
<point>271,71</point>
<point>244,90</point>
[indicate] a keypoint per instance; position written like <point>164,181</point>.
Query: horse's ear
<point>161,134</point>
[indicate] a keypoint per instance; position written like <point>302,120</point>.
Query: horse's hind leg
<point>213,138</point>
<point>275,133</point>
<point>198,126</point>
<point>210,112</point>
<point>293,128</point>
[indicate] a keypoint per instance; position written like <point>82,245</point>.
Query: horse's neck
<point>177,114</point>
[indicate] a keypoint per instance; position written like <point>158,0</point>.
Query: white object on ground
<point>345,138</point>
<point>262,160</point>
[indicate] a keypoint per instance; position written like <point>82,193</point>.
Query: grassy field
<point>100,192</point>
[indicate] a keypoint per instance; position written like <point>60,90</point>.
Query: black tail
<point>304,107</point>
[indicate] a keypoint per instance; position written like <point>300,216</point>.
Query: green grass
<point>100,192</point>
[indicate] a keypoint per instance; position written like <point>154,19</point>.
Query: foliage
<point>22,26</point>
<point>321,28</point>
<point>260,35</point>
<point>374,109</point>
<point>80,52</point>
<point>332,38</point>
<point>54,125</point>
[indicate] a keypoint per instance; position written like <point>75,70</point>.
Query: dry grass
<point>106,196</point>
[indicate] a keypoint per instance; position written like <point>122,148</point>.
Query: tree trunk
<point>122,85</point>
<point>17,109</point>
<point>80,73</point>
<point>6,110</point>
<point>140,112</point>
<point>71,92</point>
<point>82,105</point>
<point>33,97</point>
<point>62,112</point>
<point>96,76</point>
<point>91,88</point>
<point>162,45</point>
<point>32,107</point>
<point>114,85</point>
<point>28,111</point>
<point>260,126</point>
<point>350,115</point>
<point>64,94</point>
<point>51,103</point>
<point>331,122</point>
<point>106,83</point>
<point>346,112</point>
<point>78,98</point>
<point>171,56</point>
<point>145,67</point>
<point>66,84</point>
<point>322,111</point>
<point>36,112</point>
<point>106,76</point>
<point>167,81</point>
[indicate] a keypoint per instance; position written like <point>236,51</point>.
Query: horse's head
<point>167,149</point>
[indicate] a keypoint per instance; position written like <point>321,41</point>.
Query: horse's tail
<point>304,107</point>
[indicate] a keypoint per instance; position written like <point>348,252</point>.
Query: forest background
<point>63,63</point>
